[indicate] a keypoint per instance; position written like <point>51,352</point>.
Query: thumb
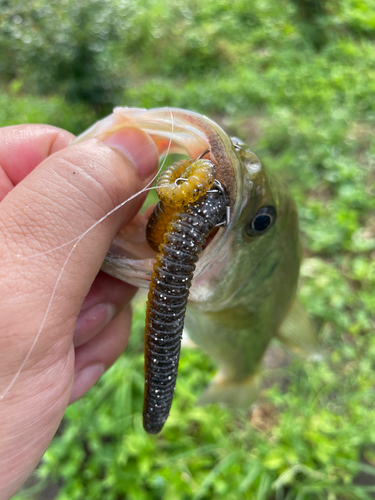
<point>56,203</point>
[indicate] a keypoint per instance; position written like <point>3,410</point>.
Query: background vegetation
<point>296,79</point>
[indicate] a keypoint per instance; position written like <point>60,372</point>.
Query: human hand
<point>50,195</point>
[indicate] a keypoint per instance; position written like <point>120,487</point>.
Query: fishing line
<point>77,240</point>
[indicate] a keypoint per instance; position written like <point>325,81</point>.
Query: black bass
<point>244,288</point>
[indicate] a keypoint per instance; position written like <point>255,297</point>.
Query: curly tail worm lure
<point>191,204</point>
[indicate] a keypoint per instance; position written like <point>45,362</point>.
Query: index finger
<point>24,147</point>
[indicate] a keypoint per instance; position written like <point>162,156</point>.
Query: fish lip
<point>174,130</point>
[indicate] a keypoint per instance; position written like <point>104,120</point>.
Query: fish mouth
<point>173,130</point>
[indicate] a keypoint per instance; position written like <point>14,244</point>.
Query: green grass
<point>310,115</point>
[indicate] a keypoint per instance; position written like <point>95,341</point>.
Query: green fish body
<point>256,291</point>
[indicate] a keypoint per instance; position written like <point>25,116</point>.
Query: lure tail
<point>165,315</point>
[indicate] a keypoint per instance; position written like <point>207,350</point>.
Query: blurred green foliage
<point>304,102</point>
<point>62,47</point>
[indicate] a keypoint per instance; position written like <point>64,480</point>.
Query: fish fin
<point>186,341</point>
<point>240,395</point>
<point>298,333</point>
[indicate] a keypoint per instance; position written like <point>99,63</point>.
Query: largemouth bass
<point>244,288</point>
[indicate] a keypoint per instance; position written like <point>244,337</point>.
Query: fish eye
<point>263,220</point>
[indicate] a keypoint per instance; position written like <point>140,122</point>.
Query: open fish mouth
<point>130,258</point>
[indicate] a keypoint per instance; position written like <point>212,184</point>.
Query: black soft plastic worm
<point>167,299</point>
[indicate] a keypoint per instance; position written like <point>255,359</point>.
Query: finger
<point>5,184</point>
<point>24,147</point>
<point>94,357</point>
<point>106,298</point>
